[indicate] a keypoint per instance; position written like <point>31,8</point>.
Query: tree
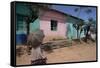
<point>34,13</point>
<point>32,17</point>
<point>88,11</point>
<point>78,25</point>
<point>90,20</point>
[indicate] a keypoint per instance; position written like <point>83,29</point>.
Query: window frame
<point>53,25</point>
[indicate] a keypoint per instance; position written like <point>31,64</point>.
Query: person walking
<point>37,55</point>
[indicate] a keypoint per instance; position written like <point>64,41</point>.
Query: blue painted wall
<point>23,10</point>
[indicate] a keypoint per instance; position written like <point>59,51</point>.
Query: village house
<point>55,24</point>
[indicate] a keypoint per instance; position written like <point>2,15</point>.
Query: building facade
<point>55,24</point>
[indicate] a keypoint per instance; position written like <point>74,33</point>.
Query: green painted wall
<point>71,31</point>
<point>22,10</point>
<point>35,25</point>
<point>20,25</point>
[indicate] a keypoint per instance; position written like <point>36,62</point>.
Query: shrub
<point>47,48</point>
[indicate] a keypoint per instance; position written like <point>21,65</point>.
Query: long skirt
<point>38,61</point>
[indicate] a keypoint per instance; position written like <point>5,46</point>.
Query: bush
<point>47,48</point>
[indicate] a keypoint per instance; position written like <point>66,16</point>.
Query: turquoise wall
<point>21,35</point>
<point>22,10</point>
<point>35,25</point>
<point>23,29</point>
<point>71,31</point>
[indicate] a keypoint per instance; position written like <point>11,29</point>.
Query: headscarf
<point>36,38</point>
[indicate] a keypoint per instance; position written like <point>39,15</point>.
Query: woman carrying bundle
<point>35,40</point>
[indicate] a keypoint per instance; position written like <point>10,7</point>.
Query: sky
<point>70,10</point>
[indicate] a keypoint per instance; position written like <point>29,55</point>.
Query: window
<point>53,25</point>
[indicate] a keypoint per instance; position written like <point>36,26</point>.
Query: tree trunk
<point>77,34</point>
<point>28,28</point>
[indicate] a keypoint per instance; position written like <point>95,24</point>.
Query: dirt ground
<point>74,53</point>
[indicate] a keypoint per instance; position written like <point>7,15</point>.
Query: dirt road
<point>74,53</point>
